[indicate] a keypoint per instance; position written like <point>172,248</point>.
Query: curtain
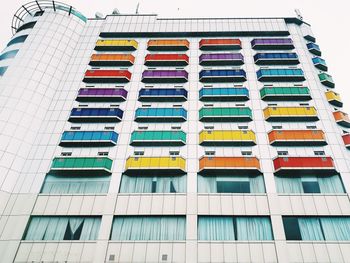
<point>149,228</point>
<point>310,228</point>
<point>254,228</point>
<point>75,184</point>
<point>161,184</point>
<point>215,228</point>
<point>90,229</point>
<point>336,228</point>
<point>330,184</point>
<point>37,228</point>
<point>289,185</point>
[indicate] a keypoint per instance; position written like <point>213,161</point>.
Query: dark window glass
<point>311,187</point>
<point>291,228</point>
<point>26,26</point>
<point>233,187</point>
<point>16,40</point>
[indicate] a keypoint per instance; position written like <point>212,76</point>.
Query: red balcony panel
<point>220,44</point>
<point>166,60</point>
<point>346,139</point>
<point>107,76</point>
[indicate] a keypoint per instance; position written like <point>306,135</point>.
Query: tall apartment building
<point>133,138</point>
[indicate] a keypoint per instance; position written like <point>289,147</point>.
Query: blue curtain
<point>336,228</point>
<point>254,228</point>
<point>149,228</point>
<point>310,228</point>
<point>56,228</point>
<point>330,184</point>
<point>208,184</point>
<point>161,184</point>
<point>215,228</point>
<point>75,184</point>
<point>288,185</point>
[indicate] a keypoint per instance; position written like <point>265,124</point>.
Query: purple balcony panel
<point>107,95</point>
<point>272,43</point>
<point>164,76</point>
<point>221,59</point>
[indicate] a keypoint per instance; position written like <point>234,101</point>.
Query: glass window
<point>16,40</point>
<point>2,71</point>
<point>9,54</point>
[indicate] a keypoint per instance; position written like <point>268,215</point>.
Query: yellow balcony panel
<point>290,114</point>
<point>116,45</point>
<point>227,138</point>
<point>155,166</point>
<point>334,98</point>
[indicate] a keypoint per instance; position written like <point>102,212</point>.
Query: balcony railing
<point>276,59</point>
<point>88,138</point>
<point>227,138</point>
<point>107,76</point>
<point>161,115</point>
<point>222,75</point>
<point>297,138</point>
<point>221,59</point>
<point>280,75</point>
<point>165,76</point>
<point>101,95</point>
<point>158,138</point>
<point>224,94</point>
<point>162,95</point>
<point>226,114</point>
<point>326,80</point>
<point>116,45</point>
<point>220,44</point>
<point>168,45</point>
<point>290,114</point>
<point>334,98</point>
<point>272,44</point>
<point>229,166</point>
<point>95,115</point>
<point>285,94</point>
<point>166,60</point>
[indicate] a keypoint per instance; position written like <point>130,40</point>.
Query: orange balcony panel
<point>229,165</point>
<point>342,118</point>
<point>304,166</point>
<point>112,60</point>
<point>346,139</point>
<point>297,138</point>
<point>168,45</point>
<point>220,44</point>
<point>107,76</point>
<point>166,60</point>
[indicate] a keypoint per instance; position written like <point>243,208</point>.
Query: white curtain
<point>289,185</point>
<point>336,228</point>
<point>254,228</point>
<point>330,184</point>
<point>310,228</point>
<point>216,228</point>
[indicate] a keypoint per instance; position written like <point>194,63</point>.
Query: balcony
<point>219,44</point>
<point>276,59</point>
<point>290,114</point>
<point>95,115</point>
<point>162,95</point>
<point>301,166</point>
<point>224,94</point>
<point>88,139</point>
<point>222,75</point>
<point>221,59</point>
<point>346,139</point>
<point>314,49</point>
<point>112,60</point>
<point>158,138</point>
<point>93,166</point>
<point>155,166</point>
<point>107,76</point>
<point>280,75</point>
<point>285,94</point>
<point>168,45</point>
<point>166,60</point>
<point>334,99</point>
<point>154,115</point>
<point>101,95</point>
<point>320,63</point>
<point>164,76</point>
<point>326,80</point>
<point>229,166</point>
<point>225,114</point>
<point>272,44</point>
<point>227,138</point>
<point>116,45</point>
<point>342,119</point>
<point>297,138</point>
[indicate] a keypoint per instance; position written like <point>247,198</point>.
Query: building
<point>132,138</point>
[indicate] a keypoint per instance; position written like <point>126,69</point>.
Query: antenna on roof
<point>137,8</point>
<point>298,13</point>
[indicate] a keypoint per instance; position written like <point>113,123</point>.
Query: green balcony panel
<point>158,138</point>
<point>243,114</point>
<point>285,94</point>
<point>326,80</point>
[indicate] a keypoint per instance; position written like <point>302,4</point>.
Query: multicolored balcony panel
<point>112,60</point>
<point>107,76</point>
<point>94,166</point>
<point>276,59</point>
<point>88,138</point>
<point>334,98</point>
<point>320,63</point>
<point>164,76</point>
<point>116,45</point>
<point>158,138</point>
<point>301,166</point>
<point>290,114</point>
<point>314,49</point>
<point>221,59</point>
<point>155,166</point>
<point>285,94</point>
<point>227,138</point>
<point>272,44</point>
<point>163,95</point>
<point>166,60</point>
<point>102,95</point>
<point>95,115</point>
<point>222,75</point>
<point>346,139</point>
<point>161,115</point>
<point>224,94</point>
<point>220,44</point>
<point>236,114</point>
<point>342,118</point>
<point>280,75</point>
<point>326,80</point>
<point>168,45</point>
<point>297,138</point>
<point>229,166</point>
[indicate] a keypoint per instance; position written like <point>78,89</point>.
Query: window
<point>282,153</point>
<point>102,153</point>
<point>243,127</point>
<point>160,184</point>
<point>209,127</point>
<point>304,104</point>
<point>83,105</point>
<point>75,128</point>
<point>209,153</point>
<point>109,128</point>
<point>115,105</point>
<point>2,70</point>
<point>246,153</point>
<point>63,228</point>
<point>16,40</point>
<point>66,154</point>
<point>146,105</point>
<point>311,127</point>
<point>317,228</point>
<point>139,153</point>
<point>176,127</point>
<point>317,153</point>
<point>234,228</point>
<point>309,184</point>
<point>149,228</point>
<point>174,153</point>
<point>9,54</point>
<point>231,184</point>
<point>143,127</point>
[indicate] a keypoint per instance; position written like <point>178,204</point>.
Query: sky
<point>330,21</point>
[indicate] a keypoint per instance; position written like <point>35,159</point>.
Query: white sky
<point>330,21</point>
